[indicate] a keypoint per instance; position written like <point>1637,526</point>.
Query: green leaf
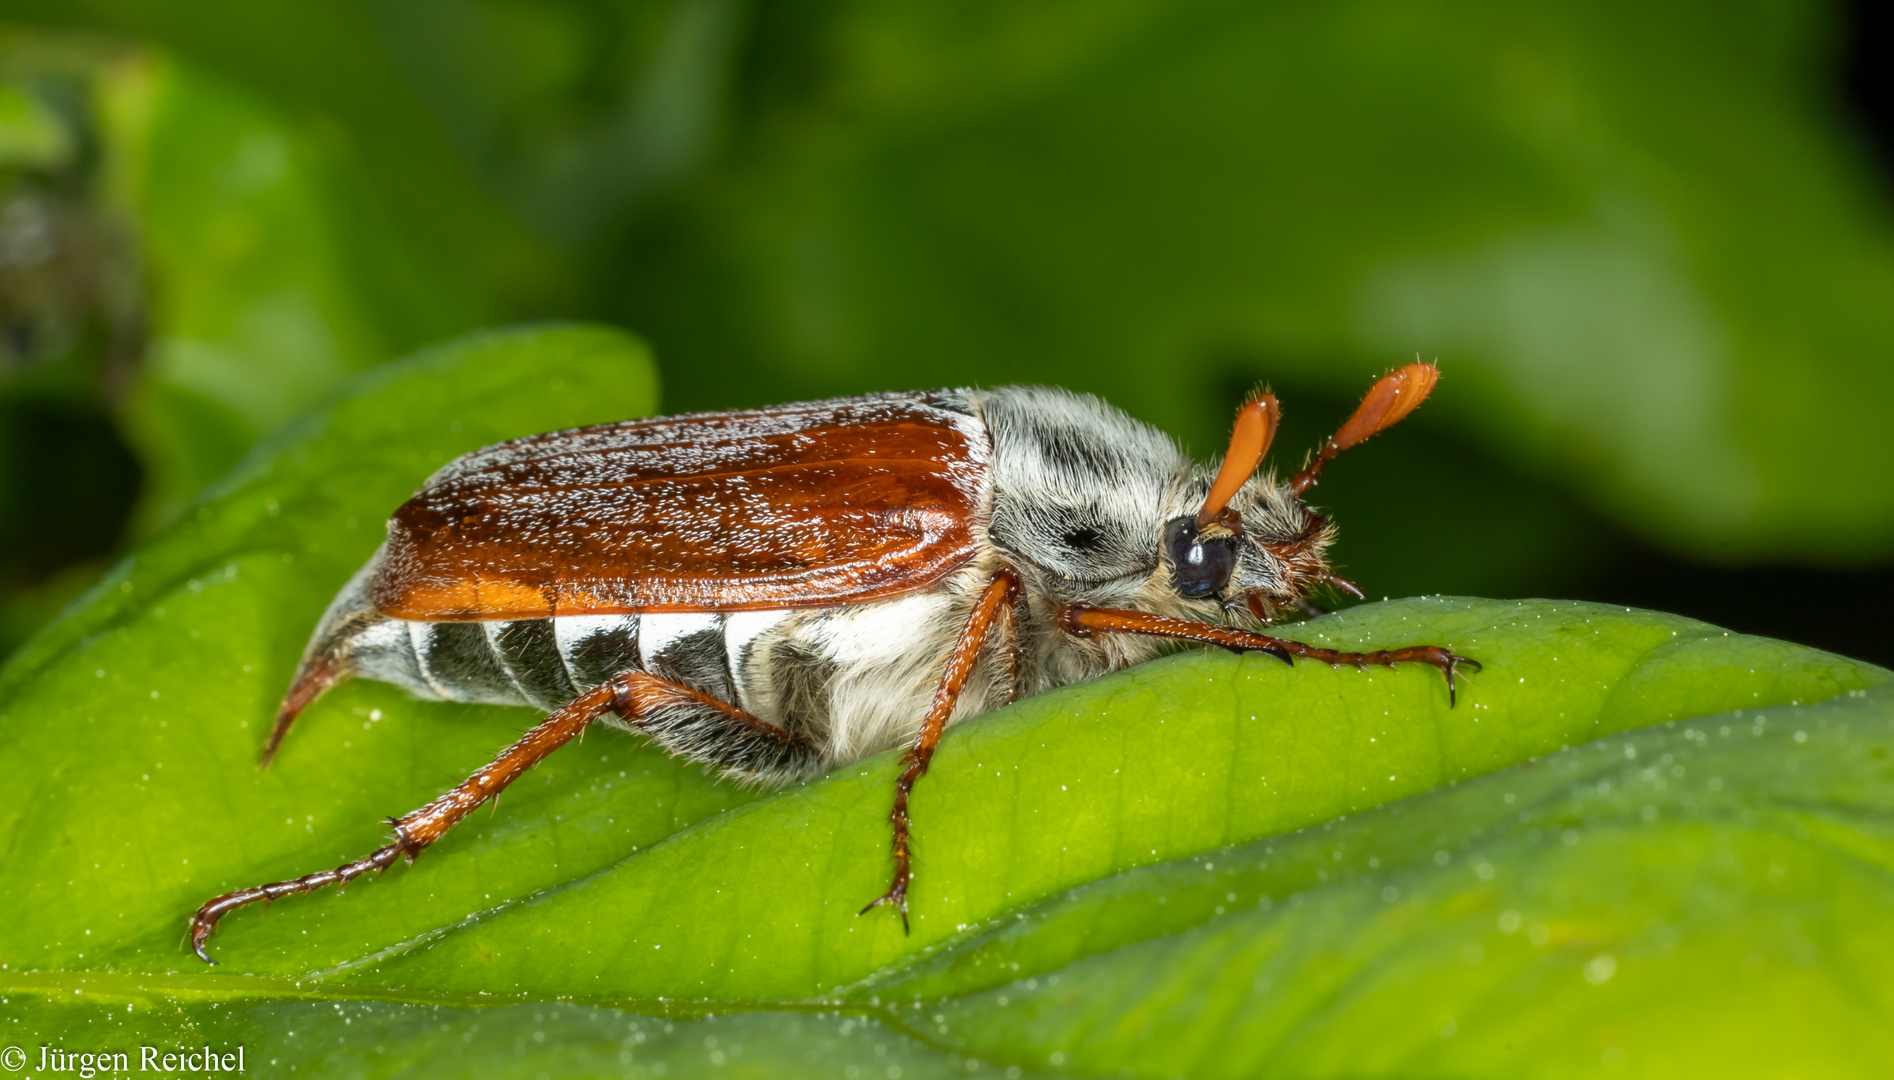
<point>1700,898</point>
<point>156,683</point>
<point>32,136</point>
<point>1171,758</point>
<point>1084,835</point>
<point>339,63</point>
<point>373,1039</point>
<point>278,274</point>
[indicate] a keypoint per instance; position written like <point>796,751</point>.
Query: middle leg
<point>1000,598</point>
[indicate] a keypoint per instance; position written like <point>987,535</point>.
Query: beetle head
<point>1253,544</point>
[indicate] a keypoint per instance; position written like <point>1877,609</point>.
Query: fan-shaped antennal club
<point>1249,441</point>
<point>1389,401</point>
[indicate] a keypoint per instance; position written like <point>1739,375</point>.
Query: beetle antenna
<point>1249,441</point>
<point>1389,400</point>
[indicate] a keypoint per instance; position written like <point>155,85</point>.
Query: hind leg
<point>688,722</point>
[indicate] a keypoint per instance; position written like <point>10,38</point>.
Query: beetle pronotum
<point>779,592</point>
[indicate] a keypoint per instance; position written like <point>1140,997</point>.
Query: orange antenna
<point>1255,427</point>
<point>1390,400</point>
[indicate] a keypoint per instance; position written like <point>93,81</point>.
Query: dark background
<point>1673,216</point>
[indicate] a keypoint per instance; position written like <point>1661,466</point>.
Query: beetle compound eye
<point>1202,567</point>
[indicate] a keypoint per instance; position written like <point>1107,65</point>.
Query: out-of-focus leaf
<point>572,112</point>
<point>32,135</point>
<point>327,60</point>
<point>275,274</point>
<point>1655,266</point>
<point>505,137</point>
<point>70,333</point>
<point>1647,256</point>
<point>285,238</point>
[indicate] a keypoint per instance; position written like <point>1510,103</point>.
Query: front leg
<point>1000,598</point>
<point>1083,620</point>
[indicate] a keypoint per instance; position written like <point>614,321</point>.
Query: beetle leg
<point>1083,620</point>
<point>997,599</point>
<point>1015,645</point>
<point>634,695</point>
<point>1342,585</point>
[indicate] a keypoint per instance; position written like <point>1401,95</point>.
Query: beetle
<point>779,592</point>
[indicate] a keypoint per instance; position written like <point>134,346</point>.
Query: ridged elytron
<point>779,592</point>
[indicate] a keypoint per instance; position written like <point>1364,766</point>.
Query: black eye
<point>1202,567</point>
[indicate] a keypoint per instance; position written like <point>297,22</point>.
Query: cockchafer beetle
<point>779,592</point>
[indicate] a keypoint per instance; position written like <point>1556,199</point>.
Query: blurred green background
<point>1650,244</point>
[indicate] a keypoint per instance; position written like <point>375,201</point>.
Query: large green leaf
<point>1079,905</point>
<point>1699,898</point>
